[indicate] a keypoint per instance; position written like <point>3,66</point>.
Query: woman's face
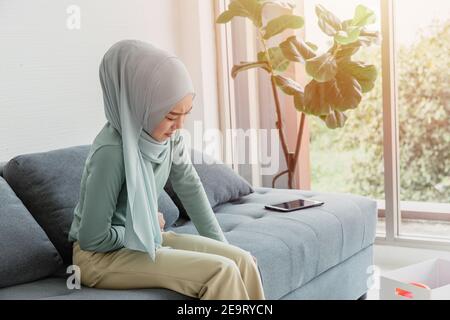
<point>173,120</point>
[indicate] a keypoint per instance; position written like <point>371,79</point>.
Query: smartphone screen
<point>295,205</point>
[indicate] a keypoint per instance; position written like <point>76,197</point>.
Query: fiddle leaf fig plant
<point>337,82</point>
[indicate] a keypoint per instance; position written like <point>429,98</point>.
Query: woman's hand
<point>162,222</point>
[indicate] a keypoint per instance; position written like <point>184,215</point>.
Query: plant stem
<point>290,158</point>
<point>337,49</point>
<point>279,121</point>
<point>299,142</point>
<point>277,176</point>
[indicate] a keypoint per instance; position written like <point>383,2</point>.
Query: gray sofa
<point>317,253</point>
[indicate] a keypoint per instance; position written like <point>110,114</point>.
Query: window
<point>349,159</point>
<point>422,45</point>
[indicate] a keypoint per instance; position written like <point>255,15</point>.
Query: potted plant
<point>338,83</point>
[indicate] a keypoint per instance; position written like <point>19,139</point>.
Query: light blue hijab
<point>141,83</point>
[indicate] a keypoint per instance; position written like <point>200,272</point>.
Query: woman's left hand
<point>162,222</point>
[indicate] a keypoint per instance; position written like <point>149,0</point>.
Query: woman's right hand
<point>162,222</point>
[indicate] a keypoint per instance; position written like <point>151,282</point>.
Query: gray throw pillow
<point>2,164</point>
<point>48,183</point>
<point>220,182</point>
<point>26,253</point>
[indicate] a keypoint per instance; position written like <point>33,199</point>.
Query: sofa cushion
<point>26,253</point>
<point>48,183</point>
<point>55,288</point>
<point>293,248</point>
<point>221,183</point>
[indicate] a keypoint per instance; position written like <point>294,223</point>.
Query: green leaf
<point>299,101</point>
<point>346,52</point>
<point>251,9</point>
<point>363,16</point>
<point>346,24</point>
<point>296,50</point>
<point>277,59</point>
<point>225,17</point>
<point>345,92</point>
<point>312,45</point>
<point>334,119</point>
<point>286,4</point>
<point>248,65</point>
<point>316,100</point>
<point>289,86</point>
<point>328,22</point>
<point>341,94</point>
<point>348,36</point>
<point>282,23</point>
<point>322,68</point>
<point>364,74</point>
<point>368,38</point>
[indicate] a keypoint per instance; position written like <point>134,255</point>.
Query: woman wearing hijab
<point>117,231</point>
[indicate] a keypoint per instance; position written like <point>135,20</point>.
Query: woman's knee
<point>242,257</point>
<point>225,264</point>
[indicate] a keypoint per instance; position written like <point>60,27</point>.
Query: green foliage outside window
<point>424,129</point>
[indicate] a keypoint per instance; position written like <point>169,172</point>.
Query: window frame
<point>392,211</point>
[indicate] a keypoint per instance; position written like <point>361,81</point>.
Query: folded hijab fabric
<point>141,83</point>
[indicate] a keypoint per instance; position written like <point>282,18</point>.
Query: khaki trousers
<point>195,266</point>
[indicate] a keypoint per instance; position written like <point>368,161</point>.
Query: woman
<point>118,235</point>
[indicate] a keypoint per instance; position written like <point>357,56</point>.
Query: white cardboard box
<point>435,273</point>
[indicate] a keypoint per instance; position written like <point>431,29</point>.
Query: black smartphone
<point>294,205</point>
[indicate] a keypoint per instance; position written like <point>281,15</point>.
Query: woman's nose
<point>179,124</point>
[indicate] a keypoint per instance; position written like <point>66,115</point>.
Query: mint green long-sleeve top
<point>99,216</point>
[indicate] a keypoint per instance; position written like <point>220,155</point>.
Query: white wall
<point>50,95</point>
<point>197,48</point>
